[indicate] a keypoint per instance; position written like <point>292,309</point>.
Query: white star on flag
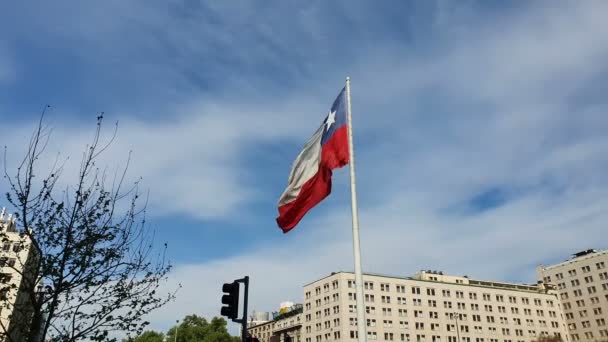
<point>331,119</point>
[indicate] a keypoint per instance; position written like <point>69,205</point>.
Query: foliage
<point>148,336</point>
<point>95,270</point>
<point>196,329</point>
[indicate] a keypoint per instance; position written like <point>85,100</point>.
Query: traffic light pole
<point>244,319</point>
<point>231,301</point>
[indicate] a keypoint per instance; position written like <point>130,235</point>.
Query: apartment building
<point>582,284</point>
<point>284,327</point>
<point>431,307</point>
<point>17,257</point>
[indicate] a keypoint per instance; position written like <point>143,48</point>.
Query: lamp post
<point>455,315</point>
<point>176,328</point>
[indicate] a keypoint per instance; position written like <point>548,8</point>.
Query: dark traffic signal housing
<point>231,300</point>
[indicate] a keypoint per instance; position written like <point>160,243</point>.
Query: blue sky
<point>479,129</point>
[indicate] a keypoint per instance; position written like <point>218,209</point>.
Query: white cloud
<point>520,128</point>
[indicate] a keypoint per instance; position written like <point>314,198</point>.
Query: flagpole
<point>361,322</point>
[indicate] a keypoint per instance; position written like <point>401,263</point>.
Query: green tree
<point>194,328</point>
<point>148,336</point>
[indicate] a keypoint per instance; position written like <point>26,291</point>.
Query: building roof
<point>472,282</point>
<point>579,256</point>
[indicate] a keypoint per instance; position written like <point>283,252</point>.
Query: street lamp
<point>455,315</point>
<point>176,328</point>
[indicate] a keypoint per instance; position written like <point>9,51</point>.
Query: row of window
<point>17,246</point>
<point>572,273</point>
<point>459,305</point>
<point>584,313</point>
<point>372,335</point>
<point>5,261</point>
<point>600,322</point>
<point>581,302</point>
<point>415,290</point>
<point>371,322</point>
<point>589,335</point>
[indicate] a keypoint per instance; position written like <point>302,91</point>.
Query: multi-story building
<point>286,326</point>
<point>582,284</point>
<point>17,257</point>
<point>431,307</point>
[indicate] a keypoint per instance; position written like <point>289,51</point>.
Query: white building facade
<point>431,307</point>
<point>17,257</point>
<point>582,284</point>
<point>286,326</point>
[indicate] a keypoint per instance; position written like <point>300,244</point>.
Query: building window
<point>430,291</point>
<point>5,278</point>
<point>384,287</point>
<point>415,290</point>
<point>369,285</point>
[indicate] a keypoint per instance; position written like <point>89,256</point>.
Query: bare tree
<point>92,268</point>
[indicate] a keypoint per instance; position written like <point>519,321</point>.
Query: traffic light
<point>231,299</point>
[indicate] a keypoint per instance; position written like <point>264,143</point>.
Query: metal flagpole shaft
<point>361,323</point>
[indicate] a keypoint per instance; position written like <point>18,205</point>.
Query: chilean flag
<point>310,177</point>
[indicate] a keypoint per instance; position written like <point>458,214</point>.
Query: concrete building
<point>582,284</point>
<point>17,257</point>
<point>431,307</point>
<point>286,326</point>
<point>258,318</point>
